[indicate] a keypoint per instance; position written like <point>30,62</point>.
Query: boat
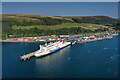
<point>51,48</point>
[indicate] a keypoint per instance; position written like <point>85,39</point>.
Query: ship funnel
<point>62,40</point>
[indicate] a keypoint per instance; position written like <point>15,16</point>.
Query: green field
<point>63,25</point>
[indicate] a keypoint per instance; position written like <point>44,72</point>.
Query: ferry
<point>51,48</point>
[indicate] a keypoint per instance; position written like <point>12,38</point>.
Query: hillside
<point>103,20</point>
<point>21,19</point>
<point>27,20</point>
<point>19,24</point>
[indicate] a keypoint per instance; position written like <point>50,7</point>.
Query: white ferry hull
<point>52,51</point>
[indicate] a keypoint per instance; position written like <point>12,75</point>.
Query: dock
<point>27,56</point>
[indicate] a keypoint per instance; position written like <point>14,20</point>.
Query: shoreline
<point>57,40</point>
<point>98,39</point>
<point>28,41</point>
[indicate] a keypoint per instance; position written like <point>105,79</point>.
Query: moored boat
<point>51,48</point>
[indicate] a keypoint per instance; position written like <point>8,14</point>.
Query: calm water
<point>96,59</point>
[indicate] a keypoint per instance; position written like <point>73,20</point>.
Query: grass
<point>63,25</point>
<point>27,17</point>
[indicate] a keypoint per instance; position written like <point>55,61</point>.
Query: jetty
<point>27,56</point>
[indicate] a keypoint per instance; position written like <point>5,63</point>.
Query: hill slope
<point>27,20</point>
<point>47,25</point>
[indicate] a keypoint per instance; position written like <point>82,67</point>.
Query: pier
<point>27,56</point>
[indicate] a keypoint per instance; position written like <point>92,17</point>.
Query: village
<point>52,38</point>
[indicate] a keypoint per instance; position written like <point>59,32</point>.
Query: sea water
<point>97,59</point>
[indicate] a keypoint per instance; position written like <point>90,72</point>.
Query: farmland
<point>63,25</point>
